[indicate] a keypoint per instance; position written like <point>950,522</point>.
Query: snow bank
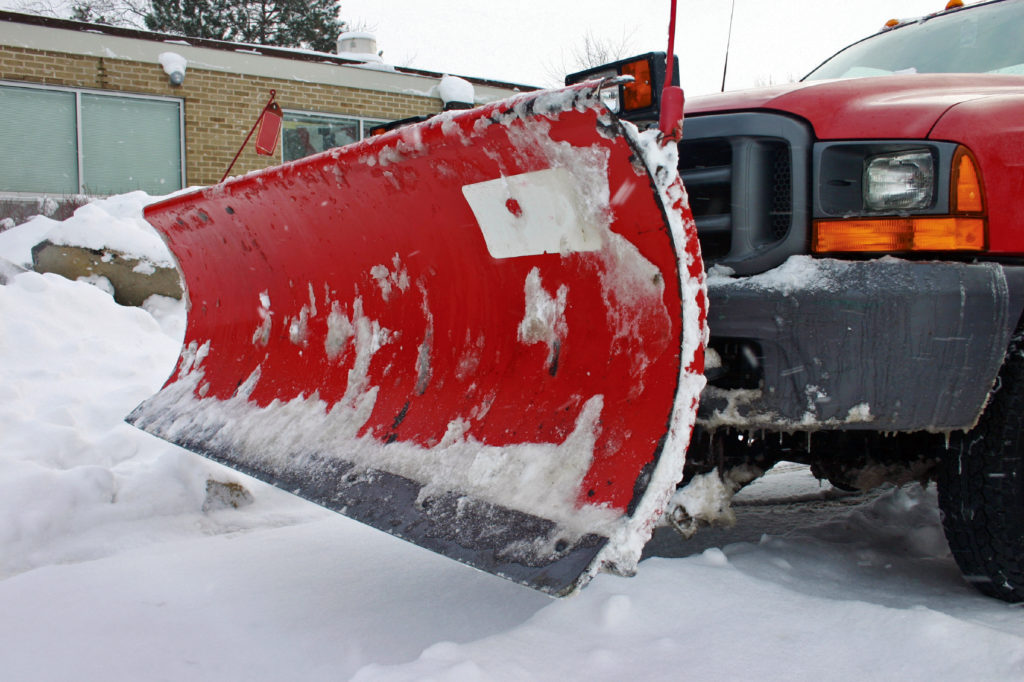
<point>111,224</point>
<point>73,363</point>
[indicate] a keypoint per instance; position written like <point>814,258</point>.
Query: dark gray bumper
<point>886,345</point>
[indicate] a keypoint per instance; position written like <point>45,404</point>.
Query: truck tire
<point>981,488</point>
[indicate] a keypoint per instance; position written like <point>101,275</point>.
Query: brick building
<point>91,109</point>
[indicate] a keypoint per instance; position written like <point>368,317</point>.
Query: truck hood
<point>892,107</point>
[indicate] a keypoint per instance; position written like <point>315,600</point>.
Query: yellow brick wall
<point>220,108</point>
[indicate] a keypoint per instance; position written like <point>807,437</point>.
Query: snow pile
<point>174,66</point>
<point>16,243</point>
<point>72,365</point>
<point>455,89</point>
<point>112,224</point>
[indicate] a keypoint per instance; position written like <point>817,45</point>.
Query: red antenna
<point>671,42</point>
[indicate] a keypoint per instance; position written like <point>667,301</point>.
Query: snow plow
<point>482,333</point>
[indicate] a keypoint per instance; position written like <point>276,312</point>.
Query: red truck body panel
<point>899,107</point>
<point>998,146</point>
<point>983,112</point>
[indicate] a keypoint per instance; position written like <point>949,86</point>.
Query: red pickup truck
<point>863,230</point>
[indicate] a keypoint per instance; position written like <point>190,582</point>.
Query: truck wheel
<point>981,488</point>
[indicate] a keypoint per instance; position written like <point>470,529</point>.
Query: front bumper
<point>885,345</point>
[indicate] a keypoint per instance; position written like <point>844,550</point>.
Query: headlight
<point>894,196</point>
<point>899,181</point>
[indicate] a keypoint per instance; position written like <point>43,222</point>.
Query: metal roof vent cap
<point>358,45</point>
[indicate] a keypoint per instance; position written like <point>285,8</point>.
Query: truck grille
<point>782,191</point>
<point>746,176</point>
<point>706,169</point>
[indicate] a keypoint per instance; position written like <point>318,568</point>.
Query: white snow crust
<point>543,315</point>
<point>172,62</point>
<point>304,435</point>
<point>797,273</point>
<point>623,552</point>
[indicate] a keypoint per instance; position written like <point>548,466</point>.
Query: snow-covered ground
<point>116,563</point>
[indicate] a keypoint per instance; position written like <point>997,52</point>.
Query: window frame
<point>365,123</point>
<point>79,137</point>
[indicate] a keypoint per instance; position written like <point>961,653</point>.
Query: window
<point>306,133</point>
<point>130,143</point>
<point>39,141</point>
<point>975,39</point>
<point>63,141</point>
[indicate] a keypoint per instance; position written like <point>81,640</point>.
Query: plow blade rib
<point>481,333</point>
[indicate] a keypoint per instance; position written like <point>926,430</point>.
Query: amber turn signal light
<point>886,235</point>
<point>965,190</point>
<point>638,94</point>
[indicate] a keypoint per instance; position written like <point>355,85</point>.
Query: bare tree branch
<point>593,51</point>
<point>127,13</point>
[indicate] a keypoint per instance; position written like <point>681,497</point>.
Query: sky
<point>533,41</point>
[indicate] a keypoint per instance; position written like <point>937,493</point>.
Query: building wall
<point>220,107</point>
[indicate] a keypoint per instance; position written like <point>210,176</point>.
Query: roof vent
<point>358,46</point>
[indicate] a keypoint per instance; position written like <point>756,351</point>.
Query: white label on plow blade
<point>533,213</point>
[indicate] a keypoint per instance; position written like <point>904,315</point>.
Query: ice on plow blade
<point>482,333</point>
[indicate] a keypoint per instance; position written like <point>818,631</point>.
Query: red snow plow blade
<point>481,333</point>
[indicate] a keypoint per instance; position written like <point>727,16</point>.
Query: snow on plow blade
<point>482,333</point>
